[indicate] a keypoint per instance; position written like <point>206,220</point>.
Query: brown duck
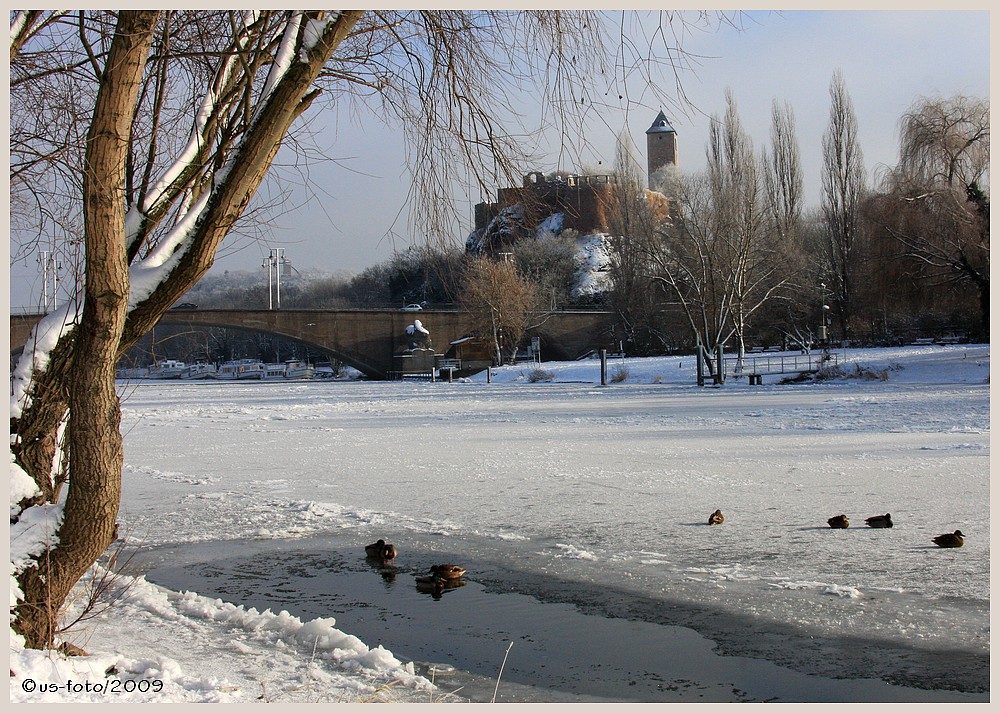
<point>839,522</point>
<point>716,518</point>
<point>879,520</point>
<point>950,539</point>
<point>447,571</point>
<point>381,550</point>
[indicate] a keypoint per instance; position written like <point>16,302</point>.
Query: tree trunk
<point>94,437</point>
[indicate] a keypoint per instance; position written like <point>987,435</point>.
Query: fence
<point>755,367</point>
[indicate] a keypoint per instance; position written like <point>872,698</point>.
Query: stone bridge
<point>368,339</point>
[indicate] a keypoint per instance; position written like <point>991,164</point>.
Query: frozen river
<point>595,498</point>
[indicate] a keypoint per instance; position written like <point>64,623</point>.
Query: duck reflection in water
<point>437,586</point>
<point>387,572</point>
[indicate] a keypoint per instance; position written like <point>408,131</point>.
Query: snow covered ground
<point>533,483</point>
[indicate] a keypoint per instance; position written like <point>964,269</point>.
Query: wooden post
<point>698,359</point>
<point>604,367</point>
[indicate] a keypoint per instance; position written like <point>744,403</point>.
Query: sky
<point>356,214</point>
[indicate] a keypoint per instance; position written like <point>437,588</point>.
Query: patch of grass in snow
<point>838,371</point>
<point>540,374</point>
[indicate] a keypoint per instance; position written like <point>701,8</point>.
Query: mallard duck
<point>447,571</point>
<point>950,539</point>
<point>381,550</point>
<point>716,518</point>
<point>839,522</point>
<point>879,520</point>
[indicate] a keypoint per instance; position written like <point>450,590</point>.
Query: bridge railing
<point>778,364</point>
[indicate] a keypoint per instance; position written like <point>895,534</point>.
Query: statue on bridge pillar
<point>417,358</point>
<point>418,335</point>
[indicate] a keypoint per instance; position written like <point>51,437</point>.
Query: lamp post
<point>50,266</point>
<point>824,316</point>
<point>274,263</point>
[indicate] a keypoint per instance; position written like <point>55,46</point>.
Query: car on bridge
<point>412,308</point>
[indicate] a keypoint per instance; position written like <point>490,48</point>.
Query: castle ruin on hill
<point>585,202</point>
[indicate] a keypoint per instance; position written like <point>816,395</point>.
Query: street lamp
<point>275,264</point>
<point>50,266</point>
<point>824,316</point>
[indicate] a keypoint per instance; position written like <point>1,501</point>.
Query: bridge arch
<point>342,356</point>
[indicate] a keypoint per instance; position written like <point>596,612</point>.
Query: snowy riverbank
<point>566,478</point>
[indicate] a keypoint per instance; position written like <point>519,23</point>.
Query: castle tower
<point>661,146</point>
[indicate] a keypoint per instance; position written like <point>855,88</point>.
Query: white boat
<point>274,371</point>
<point>167,369</point>
<point>295,369</point>
<point>290,369</point>
<point>241,369</point>
<point>201,370</point>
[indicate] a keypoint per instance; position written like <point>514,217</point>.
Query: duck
<point>839,522</point>
<point>716,518</point>
<point>381,550</point>
<point>879,520</point>
<point>950,539</point>
<point>447,571</point>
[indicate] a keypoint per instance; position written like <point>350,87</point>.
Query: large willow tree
<point>936,205</point>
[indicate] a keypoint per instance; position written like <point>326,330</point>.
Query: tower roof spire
<point>660,125</point>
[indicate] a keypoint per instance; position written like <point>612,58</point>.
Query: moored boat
<point>295,369</point>
<point>167,369</point>
<point>289,369</point>
<point>200,370</point>
<point>273,372</point>
<point>240,369</point>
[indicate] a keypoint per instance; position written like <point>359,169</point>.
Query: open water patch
<point>568,641</point>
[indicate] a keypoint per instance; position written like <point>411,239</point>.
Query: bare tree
<point>783,174</point>
<point>738,207</point>
<point>945,142</point>
<point>722,255</point>
<point>500,303</point>
<point>935,206</point>
<point>634,215</point>
<point>550,263</point>
<point>843,191</point>
<point>685,262</point>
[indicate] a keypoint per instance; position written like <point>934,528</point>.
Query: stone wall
<point>583,200</point>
